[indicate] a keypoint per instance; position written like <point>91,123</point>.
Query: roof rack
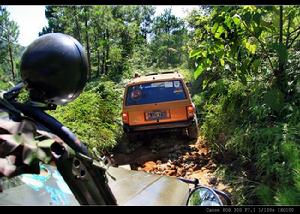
<point>151,74</point>
<point>165,72</point>
<point>169,72</point>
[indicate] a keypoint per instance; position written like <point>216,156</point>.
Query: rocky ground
<point>172,156</point>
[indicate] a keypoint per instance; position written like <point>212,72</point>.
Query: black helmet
<point>54,67</point>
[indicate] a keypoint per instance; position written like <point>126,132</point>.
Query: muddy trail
<point>172,156</point>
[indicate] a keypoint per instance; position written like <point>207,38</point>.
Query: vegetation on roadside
<point>248,75</point>
<point>243,63</point>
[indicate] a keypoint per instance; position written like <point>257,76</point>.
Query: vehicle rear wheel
<point>193,131</point>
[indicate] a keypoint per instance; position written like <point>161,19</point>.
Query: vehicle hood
<point>135,188</point>
<point>130,188</point>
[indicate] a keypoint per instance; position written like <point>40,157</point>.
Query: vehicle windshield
<point>155,92</point>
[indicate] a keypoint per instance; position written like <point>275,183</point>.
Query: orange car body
<point>158,101</point>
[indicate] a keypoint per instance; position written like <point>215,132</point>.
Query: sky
<point>31,19</point>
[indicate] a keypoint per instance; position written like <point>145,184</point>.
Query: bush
<point>260,127</point>
<point>94,116</point>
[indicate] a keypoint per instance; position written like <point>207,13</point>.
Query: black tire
<point>193,131</point>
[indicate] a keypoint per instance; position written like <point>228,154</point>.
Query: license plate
<point>157,115</point>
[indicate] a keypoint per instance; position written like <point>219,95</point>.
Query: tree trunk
<point>87,46</point>
<point>98,63</point>
<point>279,73</point>
<point>281,60</point>
<point>11,59</point>
<point>103,55</point>
<point>107,49</point>
<point>77,34</point>
<point>288,32</point>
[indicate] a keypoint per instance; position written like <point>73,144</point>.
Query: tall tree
<point>8,41</point>
<point>169,36</point>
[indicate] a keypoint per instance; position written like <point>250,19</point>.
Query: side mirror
<point>204,196</point>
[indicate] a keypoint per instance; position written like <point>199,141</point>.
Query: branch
<point>295,30</point>
<point>294,39</point>
<point>288,32</point>
<point>280,24</point>
<point>261,43</point>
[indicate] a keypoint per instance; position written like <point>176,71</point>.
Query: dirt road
<point>173,156</point>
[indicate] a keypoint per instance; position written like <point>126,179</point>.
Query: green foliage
<point>168,40</point>
<point>110,34</point>
<point>94,116</point>
<point>9,49</point>
<point>247,79</point>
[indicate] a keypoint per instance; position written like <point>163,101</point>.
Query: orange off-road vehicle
<point>159,102</point>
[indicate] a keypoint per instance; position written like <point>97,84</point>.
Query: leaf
<point>281,50</point>
<point>251,48</point>
<point>275,99</point>
<point>228,22</point>
<point>257,31</point>
<point>222,62</point>
<point>242,78</point>
<point>219,32</point>
<point>247,17</point>
<point>194,53</point>
<point>215,27</point>
<point>256,64</point>
<point>198,71</point>
<point>207,62</point>
<point>236,19</point>
<point>204,84</point>
<point>257,18</point>
<point>245,65</point>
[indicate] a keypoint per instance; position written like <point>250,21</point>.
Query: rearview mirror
<point>204,196</point>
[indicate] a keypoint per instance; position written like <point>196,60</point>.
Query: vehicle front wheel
<point>193,131</point>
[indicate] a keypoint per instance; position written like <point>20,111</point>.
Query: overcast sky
<point>31,19</point>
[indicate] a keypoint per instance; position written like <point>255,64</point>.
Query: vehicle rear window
<point>155,92</point>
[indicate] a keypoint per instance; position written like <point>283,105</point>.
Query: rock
<point>163,167</point>
<point>149,166</point>
<point>180,172</point>
<point>170,172</point>
<point>190,169</point>
<point>213,181</point>
<point>213,166</point>
<point>197,167</point>
<point>187,166</point>
<point>173,167</point>
<point>175,162</point>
